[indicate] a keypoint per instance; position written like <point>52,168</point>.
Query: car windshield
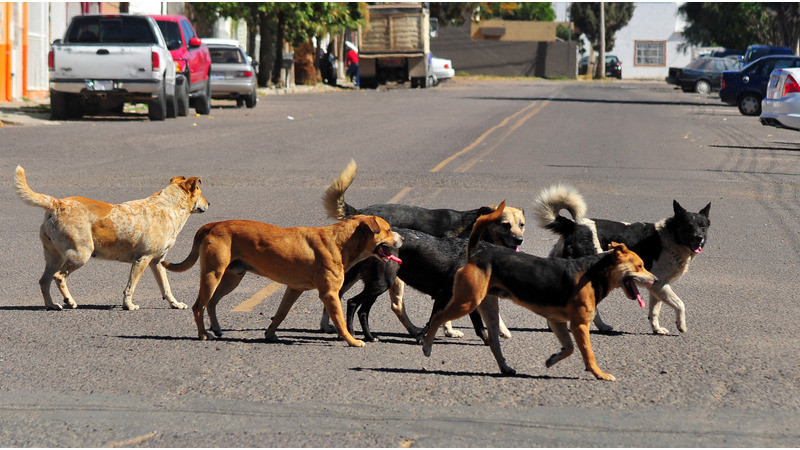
<point>698,63</point>
<point>226,55</point>
<point>111,30</point>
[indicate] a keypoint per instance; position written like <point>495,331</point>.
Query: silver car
<point>781,107</point>
<point>233,73</point>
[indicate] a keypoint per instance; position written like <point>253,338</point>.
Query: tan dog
<point>302,258</point>
<point>139,232</point>
<point>564,291</point>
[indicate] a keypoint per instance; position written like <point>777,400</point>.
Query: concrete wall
<point>504,58</point>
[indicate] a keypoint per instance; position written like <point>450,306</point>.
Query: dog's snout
<point>398,240</point>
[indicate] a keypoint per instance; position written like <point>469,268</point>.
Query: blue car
<point>747,87</point>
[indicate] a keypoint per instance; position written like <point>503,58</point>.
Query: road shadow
<point>607,102</point>
<point>457,373</point>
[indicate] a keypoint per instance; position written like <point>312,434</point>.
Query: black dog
<point>441,223</point>
<point>666,247</point>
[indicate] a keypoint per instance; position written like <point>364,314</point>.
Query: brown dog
<point>139,232</point>
<point>302,258</point>
<point>561,290</point>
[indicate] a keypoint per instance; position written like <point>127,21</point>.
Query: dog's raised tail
<point>555,198</point>
<point>28,196</point>
<point>333,200</point>
<point>481,224</point>
<point>187,263</point>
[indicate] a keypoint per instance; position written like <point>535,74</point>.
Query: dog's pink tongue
<point>516,249</point>
<point>640,300</point>
<point>395,259</point>
<point>698,249</point>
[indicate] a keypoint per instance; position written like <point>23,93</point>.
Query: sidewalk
<point>37,112</point>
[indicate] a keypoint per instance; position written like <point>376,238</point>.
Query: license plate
<point>217,76</point>
<point>103,85</point>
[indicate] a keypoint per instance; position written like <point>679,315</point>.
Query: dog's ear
<point>706,210</point>
<point>677,208</point>
<point>176,179</point>
<point>370,223</point>
<point>618,248</point>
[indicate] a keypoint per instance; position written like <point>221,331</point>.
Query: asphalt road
<point>100,376</point>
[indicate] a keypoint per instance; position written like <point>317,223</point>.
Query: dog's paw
<point>53,306</point>
<point>605,376</point>
<point>682,327</point>
<point>270,336</point>
<point>130,307</point>
<point>426,350</point>
<point>505,334</point>
<point>660,330</point>
<point>70,302</point>
<point>217,332</point>
<point>178,305</point>
<point>551,360</point>
<point>605,328</point>
<point>327,328</point>
<point>453,333</point>
<point>508,370</point>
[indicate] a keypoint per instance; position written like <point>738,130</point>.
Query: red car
<point>192,62</point>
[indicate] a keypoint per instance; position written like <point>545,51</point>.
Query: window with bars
<point>651,53</point>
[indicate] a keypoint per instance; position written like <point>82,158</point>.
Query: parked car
<point>781,107</point>
<point>755,52</point>
<point>747,87</point>
<point>613,66</point>
<point>233,73</point>
<point>105,61</point>
<point>442,69</point>
<point>192,63</point>
<point>701,75</point>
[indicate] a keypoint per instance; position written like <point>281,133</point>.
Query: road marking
<point>400,195</point>
<point>133,441</point>
<point>482,137</point>
<point>467,165</point>
<point>260,296</point>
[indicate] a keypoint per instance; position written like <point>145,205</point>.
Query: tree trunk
<point>276,68</point>
<point>265,54</point>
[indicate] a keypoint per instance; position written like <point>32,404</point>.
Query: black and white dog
<point>667,247</point>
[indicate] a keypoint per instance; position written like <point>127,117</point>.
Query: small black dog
<point>666,247</point>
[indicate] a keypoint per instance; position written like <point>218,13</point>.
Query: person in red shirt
<point>351,62</point>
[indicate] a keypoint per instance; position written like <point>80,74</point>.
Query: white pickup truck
<point>105,61</point>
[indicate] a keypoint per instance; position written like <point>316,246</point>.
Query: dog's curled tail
<point>187,263</point>
<point>481,224</point>
<point>555,198</point>
<point>28,196</point>
<point>333,200</point>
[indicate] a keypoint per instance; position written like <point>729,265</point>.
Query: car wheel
<point>250,100</point>
<point>157,108</point>
<point>172,105</point>
<point>202,104</point>
<point>183,97</point>
<point>74,106</point>
<point>58,106</point>
<point>702,87</point>
<point>750,105</point>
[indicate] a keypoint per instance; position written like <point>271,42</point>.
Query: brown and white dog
<point>302,258</point>
<point>564,291</point>
<point>139,232</point>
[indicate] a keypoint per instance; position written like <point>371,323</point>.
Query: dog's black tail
<point>333,200</point>
<point>481,224</point>
<point>552,200</point>
<point>187,263</point>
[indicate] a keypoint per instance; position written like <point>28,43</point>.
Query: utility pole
<point>601,63</point>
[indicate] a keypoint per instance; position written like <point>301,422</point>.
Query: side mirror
<point>254,64</point>
<point>195,42</point>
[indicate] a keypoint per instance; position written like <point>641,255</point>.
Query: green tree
<point>739,24</point>
<point>456,13</point>
<point>586,18</point>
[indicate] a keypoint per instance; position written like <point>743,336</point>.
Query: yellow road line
<point>134,441</point>
<point>260,296</point>
<point>400,195</point>
<point>482,137</point>
<point>467,165</point>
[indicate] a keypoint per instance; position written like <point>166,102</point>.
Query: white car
<point>781,107</point>
<point>442,69</point>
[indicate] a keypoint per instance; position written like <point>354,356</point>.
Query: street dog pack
<point>466,261</point>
